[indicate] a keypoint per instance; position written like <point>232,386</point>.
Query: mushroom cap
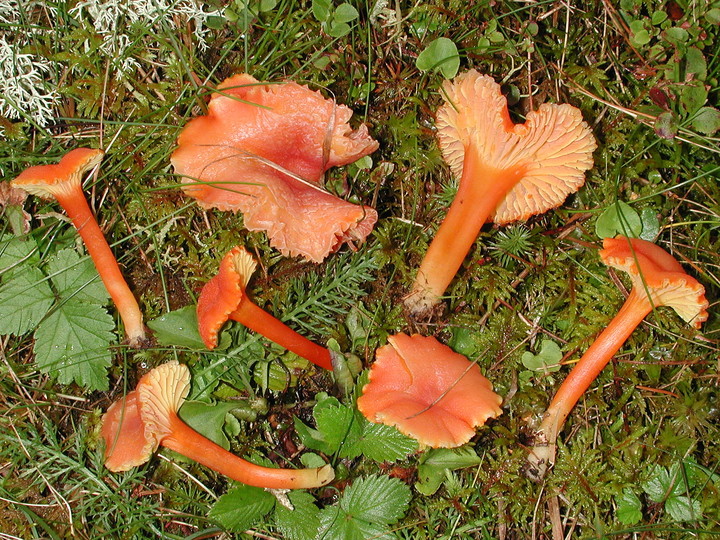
<point>223,293</point>
<point>134,425</point>
<point>49,181</point>
<point>127,443</point>
<point>654,270</point>
<point>554,146</point>
<point>428,391</point>
<point>262,149</point>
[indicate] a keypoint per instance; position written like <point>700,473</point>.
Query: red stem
<point>634,310</point>
<point>76,207</point>
<point>480,191</point>
<point>257,319</point>
<point>188,442</point>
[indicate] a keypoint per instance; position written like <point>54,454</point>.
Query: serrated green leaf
<point>376,499</point>
<point>336,426</point>
<point>440,54</point>
<point>682,508</point>
<point>241,507</point>
<point>693,96</point>
<point>707,121</point>
<point>657,486</point>
<point>25,298</point>
<point>380,442</point>
<point>76,277</point>
<point>547,360</point>
<point>336,525</point>
<point>629,507</point>
<point>179,328</point>
<point>300,523</point>
<point>71,344</point>
<point>16,253</point>
<point>618,218</point>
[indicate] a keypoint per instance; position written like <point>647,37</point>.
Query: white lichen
<point>25,91</point>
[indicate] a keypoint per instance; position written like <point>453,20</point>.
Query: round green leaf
<point>441,54</point>
<point>707,121</point>
<point>619,218</point>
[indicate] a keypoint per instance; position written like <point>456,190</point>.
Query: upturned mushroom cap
<point>127,444</point>
<point>134,426</point>
<point>553,147</point>
<point>48,181</point>
<point>428,391</point>
<point>654,270</point>
<point>223,293</point>
<point>262,150</point>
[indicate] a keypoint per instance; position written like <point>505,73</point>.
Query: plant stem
<point>257,319</point>
<point>76,207</point>
<point>634,310</point>
<point>480,191</point>
<point>188,442</point>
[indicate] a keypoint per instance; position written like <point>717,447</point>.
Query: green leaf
<point>76,277</point>
<point>440,54</point>
<point>241,507</point>
<point>435,464</point>
<point>676,35</point>
<point>713,16</point>
<point>17,253</point>
<point>618,218</point>
<point>345,13</point>
<point>336,426</point>
<point>547,360</point>
<point>321,9</point>
<point>338,30</point>
<point>379,442</point>
<point>682,508</point>
<point>72,343</point>
<point>208,419</point>
<point>650,224</point>
<point>376,499</point>
<point>25,298</point>
<point>707,121</point>
<point>336,525</point>
<point>666,125</point>
<point>629,507</point>
<point>657,486</point>
<point>300,523</point>
<point>693,96</point>
<point>695,63</point>
<point>179,328</point>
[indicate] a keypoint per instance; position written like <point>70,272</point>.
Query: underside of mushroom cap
<point>262,150</point>
<point>49,181</point>
<point>127,444</point>
<point>428,392</point>
<point>223,293</point>
<point>554,146</point>
<point>654,270</point>
<point>161,392</point>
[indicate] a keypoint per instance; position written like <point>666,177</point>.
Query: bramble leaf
<point>71,344</point>
<point>76,277</point>
<point>379,442</point>
<point>25,298</point>
<point>300,523</point>
<point>629,507</point>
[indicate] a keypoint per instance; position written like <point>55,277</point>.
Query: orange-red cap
<point>553,147</point>
<point>655,271</point>
<point>428,391</point>
<point>48,181</point>
<point>262,149</point>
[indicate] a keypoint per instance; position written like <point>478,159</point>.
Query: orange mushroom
<point>223,298</point>
<point>428,391</point>
<point>507,172</point>
<point>658,280</point>
<point>262,149</point>
<point>63,182</point>
<point>134,427</point>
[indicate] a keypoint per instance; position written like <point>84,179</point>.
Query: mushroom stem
<point>188,442</point>
<point>257,319</point>
<point>634,310</point>
<point>474,203</point>
<point>75,205</point>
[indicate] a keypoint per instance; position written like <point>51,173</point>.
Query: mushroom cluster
<point>262,149</point>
